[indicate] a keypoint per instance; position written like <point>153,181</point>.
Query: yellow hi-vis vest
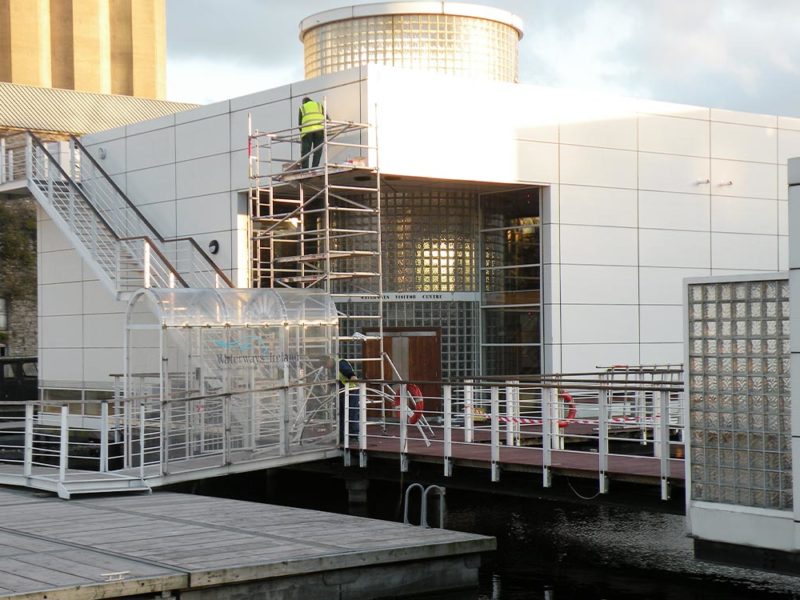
<point>311,117</point>
<point>344,380</point>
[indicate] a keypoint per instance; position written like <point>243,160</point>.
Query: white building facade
<point>633,196</point>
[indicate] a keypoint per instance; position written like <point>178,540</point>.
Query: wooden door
<point>416,353</point>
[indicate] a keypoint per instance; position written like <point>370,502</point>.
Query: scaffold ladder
<point>319,226</point>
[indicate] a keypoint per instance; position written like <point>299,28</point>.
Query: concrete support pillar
<point>357,495</point>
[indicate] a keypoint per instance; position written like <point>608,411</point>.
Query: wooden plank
<point>46,575</point>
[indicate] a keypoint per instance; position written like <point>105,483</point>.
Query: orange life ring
<point>417,401</point>
<point>572,410</point>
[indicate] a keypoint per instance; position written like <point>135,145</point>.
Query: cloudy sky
<point>738,54</point>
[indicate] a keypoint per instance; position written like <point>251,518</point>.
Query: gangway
<point>319,226</point>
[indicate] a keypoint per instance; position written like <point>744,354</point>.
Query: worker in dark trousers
<point>348,398</point>
<point>311,119</point>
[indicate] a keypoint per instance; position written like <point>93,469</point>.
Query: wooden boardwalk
<point>205,547</point>
<point>579,463</point>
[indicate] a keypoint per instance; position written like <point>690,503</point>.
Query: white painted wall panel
<point>603,132</point>
<point>583,357</point>
<point>537,161</point>
<point>739,251</point>
<point>663,285</point>
<point>587,324</point>
<point>599,285</point>
<point>202,214</point>
<point>100,363</point>
<point>668,173</point>
<point>665,210</point>
<point>744,142</point>
<point>744,215</point>
<point>103,331</point>
<point>60,267</point>
<point>150,149</point>
<point>598,167</point>
<point>659,324</point>
<point>583,205</point>
<point>62,332</point>
<point>661,354</point>
<point>749,180</point>
<point>58,299</point>
<point>152,185</point>
<point>206,137</point>
<point>673,135</point>
<point>661,248</point>
<point>598,245</point>
<point>203,176</point>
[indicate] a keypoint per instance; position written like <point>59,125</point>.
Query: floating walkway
<point>197,547</point>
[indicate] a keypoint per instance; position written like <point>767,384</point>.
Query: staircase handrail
<point>77,189</point>
<point>129,204</point>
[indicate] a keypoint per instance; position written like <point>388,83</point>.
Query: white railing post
<point>104,437</point>
<point>164,428</point>
<point>142,415</point>
<point>469,414</point>
<point>495,433</point>
<point>448,430</point>
<point>403,428</point>
<point>146,261</point>
<point>662,420</point>
<point>548,398</point>
<point>28,456</point>
<point>63,452</point>
<point>28,158</point>
<point>362,423</point>
<point>3,163</point>
<point>602,441</point>
<point>512,413</point>
<point>283,416</point>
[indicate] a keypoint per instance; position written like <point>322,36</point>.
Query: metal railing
<point>63,444</point>
<point>127,220</point>
<point>79,196</point>
<point>539,422</point>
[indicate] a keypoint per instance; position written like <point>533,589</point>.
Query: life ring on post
<point>417,402</point>
<point>572,410</point>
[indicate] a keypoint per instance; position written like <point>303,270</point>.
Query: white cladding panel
<point>639,193</point>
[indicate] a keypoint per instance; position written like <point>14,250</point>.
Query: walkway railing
<point>589,422</point>
<point>123,444</point>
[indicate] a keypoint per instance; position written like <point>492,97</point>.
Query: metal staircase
<point>320,226</point>
<point>109,232</point>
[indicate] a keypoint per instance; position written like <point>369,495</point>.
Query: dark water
<point>550,550</point>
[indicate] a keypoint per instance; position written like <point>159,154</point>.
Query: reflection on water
<point>547,549</point>
<point>561,551</point>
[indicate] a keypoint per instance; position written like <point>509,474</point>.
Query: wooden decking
<point>642,469</point>
<point>166,542</point>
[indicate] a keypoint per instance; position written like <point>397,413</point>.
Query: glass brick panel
<point>739,396</point>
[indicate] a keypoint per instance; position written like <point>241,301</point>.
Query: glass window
<point>510,282</point>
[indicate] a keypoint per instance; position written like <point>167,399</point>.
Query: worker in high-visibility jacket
<point>311,119</point>
<point>348,397</point>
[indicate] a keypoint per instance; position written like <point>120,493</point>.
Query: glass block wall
<point>454,44</point>
<point>739,394</point>
<point>458,322</point>
<point>429,241</point>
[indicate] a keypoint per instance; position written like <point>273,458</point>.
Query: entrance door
<point>416,353</point>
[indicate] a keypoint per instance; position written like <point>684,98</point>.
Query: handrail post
<point>448,430</point>
<point>28,456</point>
<point>142,415</point>
<point>283,416</point>
<point>104,436</point>
<point>495,433</point>
<point>3,173</point>
<point>28,157</point>
<point>63,451</point>
<point>469,414</point>
<point>548,396</point>
<point>146,265</point>
<point>403,428</point>
<point>663,428</point>
<point>602,441</point>
<point>362,423</point>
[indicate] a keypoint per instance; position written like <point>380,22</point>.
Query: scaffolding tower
<point>319,226</point>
